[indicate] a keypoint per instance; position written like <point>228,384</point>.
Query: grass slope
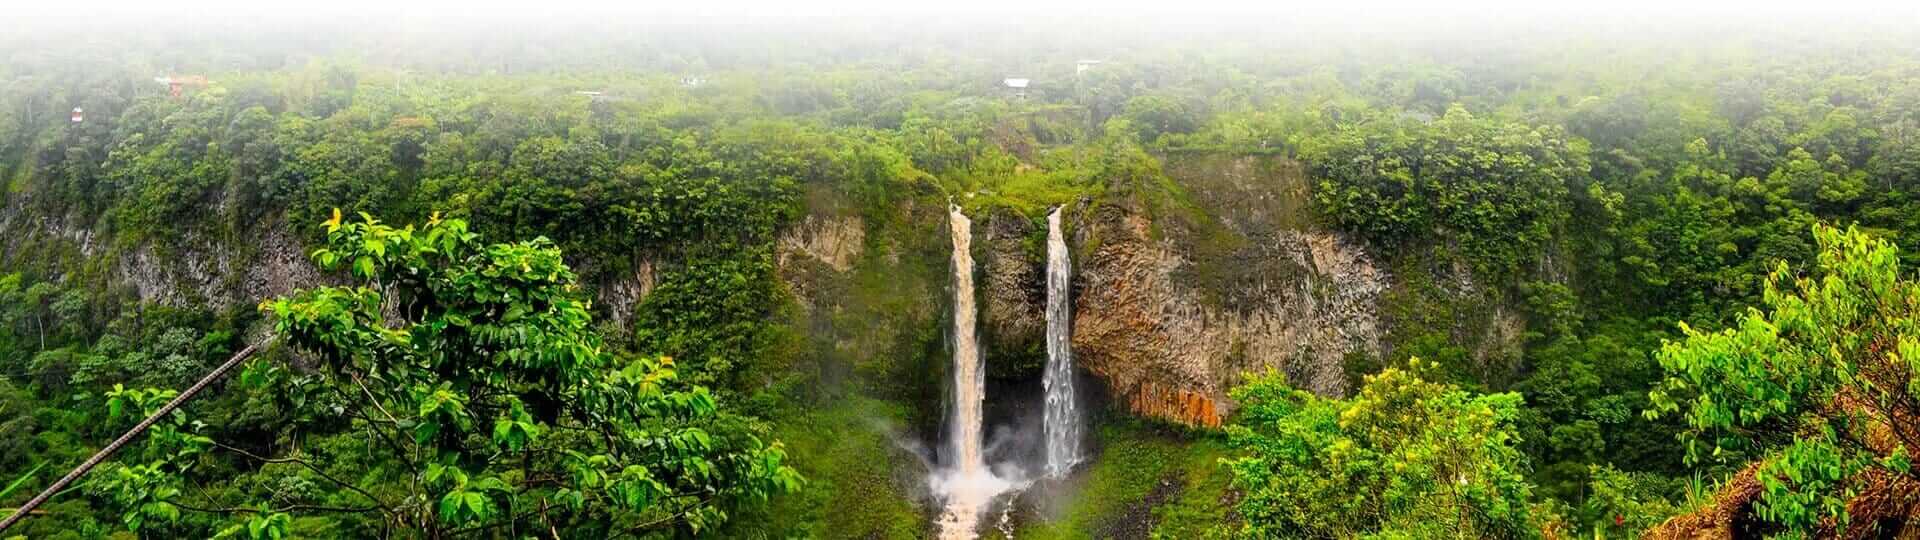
<point>1150,480</point>
<point>849,465</point>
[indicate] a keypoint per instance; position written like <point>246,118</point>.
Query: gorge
<point>891,280</point>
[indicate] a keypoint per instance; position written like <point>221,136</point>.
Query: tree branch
<point>311,467</point>
<point>285,509</point>
<point>682,513</point>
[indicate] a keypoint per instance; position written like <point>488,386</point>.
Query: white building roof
<point>1016,83</point>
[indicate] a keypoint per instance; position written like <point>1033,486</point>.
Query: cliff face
<point>1013,295</point>
<point>870,295</point>
<point>1174,303</point>
<point>1168,352</point>
<point>1178,300</point>
<point>621,294</point>
<point>836,241</point>
<point>1174,306</point>
<point>191,271</point>
<point>204,272</point>
<point>1176,297</point>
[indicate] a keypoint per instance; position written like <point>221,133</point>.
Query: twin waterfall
<point>967,485</point>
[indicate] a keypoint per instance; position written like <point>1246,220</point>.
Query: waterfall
<point>969,383</point>
<point>967,486</point>
<point>1062,421</point>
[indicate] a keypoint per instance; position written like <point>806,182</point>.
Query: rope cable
<point>104,453</point>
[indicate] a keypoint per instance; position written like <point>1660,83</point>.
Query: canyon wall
<point>1178,306</point>
<point>1178,295</point>
<point>192,271</point>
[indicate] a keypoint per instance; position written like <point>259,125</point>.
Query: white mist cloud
<point>1337,9</point>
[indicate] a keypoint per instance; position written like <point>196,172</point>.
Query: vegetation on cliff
<point>1818,385</point>
<point>1404,457</point>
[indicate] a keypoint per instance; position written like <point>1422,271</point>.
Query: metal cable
<point>104,453</point>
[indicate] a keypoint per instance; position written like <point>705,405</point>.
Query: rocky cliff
<point>1013,294</point>
<point>870,292</point>
<point>1175,302</point>
<point>192,270</point>
<point>1175,310</point>
<point>1170,353</point>
<point>1178,296</point>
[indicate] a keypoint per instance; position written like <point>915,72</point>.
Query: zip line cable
<point>104,453</point>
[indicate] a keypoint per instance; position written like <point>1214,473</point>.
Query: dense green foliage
<point>1402,458</point>
<point>1819,383</point>
<point>1497,190</point>
<point>490,402</point>
<point>1549,215</point>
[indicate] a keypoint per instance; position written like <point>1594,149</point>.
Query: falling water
<point>967,485</point>
<point>1062,422</point>
<point>968,381</point>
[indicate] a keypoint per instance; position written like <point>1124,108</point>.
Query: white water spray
<point>1062,421</point>
<point>967,486</point>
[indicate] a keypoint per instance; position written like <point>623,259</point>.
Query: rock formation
<point>1168,352</point>
<point>1013,295</point>
<point>191,271</point>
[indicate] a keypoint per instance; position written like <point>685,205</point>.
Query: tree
<point>1155,115</point>
<point>1499,189</point>
<point>1404,458</point>
<point>1818,384</point>
<point>457,387</point>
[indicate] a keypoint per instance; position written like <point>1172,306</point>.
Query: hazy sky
<point>1497,9</point>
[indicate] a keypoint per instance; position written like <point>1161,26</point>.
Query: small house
<point>176,84</point>
<point>78,115</point>
<point>1018,86</point>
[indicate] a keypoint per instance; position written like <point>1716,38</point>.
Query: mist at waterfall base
<point>1015,450</point>
<point>978,473</point>
<point>965,483</point>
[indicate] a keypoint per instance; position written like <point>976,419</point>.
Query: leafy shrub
<point>1404,457</point>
